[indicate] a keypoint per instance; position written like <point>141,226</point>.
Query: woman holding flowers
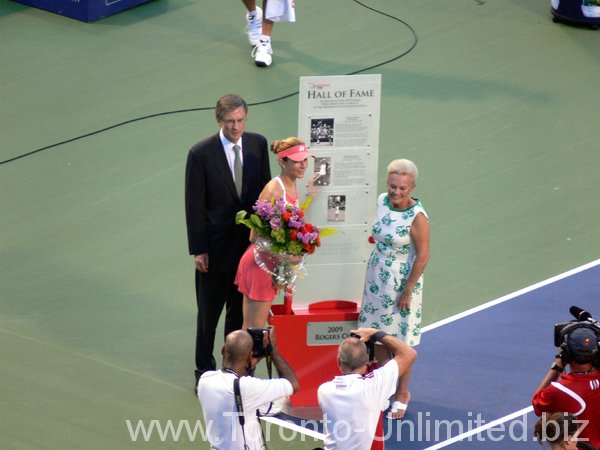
<point>281,222</point>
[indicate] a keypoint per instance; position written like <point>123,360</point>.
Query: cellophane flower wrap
<point>284,239</point>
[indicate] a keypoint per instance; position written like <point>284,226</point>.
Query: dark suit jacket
<point>211,201</point>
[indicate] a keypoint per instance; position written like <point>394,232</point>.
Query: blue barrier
<point>84,10</point>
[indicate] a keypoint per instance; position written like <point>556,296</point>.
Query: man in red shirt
<point>576,392</point>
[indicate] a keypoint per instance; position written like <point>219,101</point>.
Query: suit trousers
<point>214,290</point>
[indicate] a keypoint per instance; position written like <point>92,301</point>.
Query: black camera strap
<point>269,361</point>
<point>239,405</point>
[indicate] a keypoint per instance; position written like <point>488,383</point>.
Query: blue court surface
<point>476,372</point>
<point>485,367</point>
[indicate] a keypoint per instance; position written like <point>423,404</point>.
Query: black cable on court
<point>206,108</point>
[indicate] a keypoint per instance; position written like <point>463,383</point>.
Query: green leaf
<point>257,221</point>
<point>240,216</point>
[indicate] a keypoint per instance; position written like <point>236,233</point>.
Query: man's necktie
<point>237,169</point>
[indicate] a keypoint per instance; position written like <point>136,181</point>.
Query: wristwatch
<point>556,367</point>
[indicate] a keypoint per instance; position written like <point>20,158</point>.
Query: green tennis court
<point>496,104</point>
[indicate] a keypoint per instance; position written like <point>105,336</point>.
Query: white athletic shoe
<point>262,54</point>
<point>254,26</point>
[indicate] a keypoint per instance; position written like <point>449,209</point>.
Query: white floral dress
<point>387,273</point>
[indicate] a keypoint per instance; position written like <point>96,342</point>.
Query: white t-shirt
<point>222,426</point>
<point>352,405</point>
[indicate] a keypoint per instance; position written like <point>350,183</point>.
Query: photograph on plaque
<point>352,206</point>
<point>322,172</point>
<point>321,132</point>
<point>336,208</point>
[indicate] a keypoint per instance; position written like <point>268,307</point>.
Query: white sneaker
<point>254,26</point>
<point>262,54</point>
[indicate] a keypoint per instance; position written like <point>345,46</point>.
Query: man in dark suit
<point>214,193</point>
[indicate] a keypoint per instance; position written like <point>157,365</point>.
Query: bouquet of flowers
<point>284,238</point>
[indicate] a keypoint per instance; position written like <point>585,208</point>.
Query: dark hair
<point>228,103</point>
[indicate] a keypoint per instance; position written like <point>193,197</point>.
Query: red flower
<point>300,213</point>
<point>286,216</point>
<point>293,235</point>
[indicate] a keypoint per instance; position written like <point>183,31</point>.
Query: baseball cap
<point>295,153</point>
<point>582,341</point>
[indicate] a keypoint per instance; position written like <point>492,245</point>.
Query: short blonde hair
<point>403,166</point>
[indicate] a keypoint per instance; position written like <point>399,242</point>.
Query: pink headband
<point>295,153</point>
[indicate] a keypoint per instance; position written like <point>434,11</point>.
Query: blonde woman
<point>394,278</point>
<point>253,282</point>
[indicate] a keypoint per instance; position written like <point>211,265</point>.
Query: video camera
<point>258,345</point>
<point>562,330</point>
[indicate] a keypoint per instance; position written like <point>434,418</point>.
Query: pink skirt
<point>252,281</point>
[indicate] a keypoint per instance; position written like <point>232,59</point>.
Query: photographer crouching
<point>353,401</point>
<point>230,397</point>
<point>572,385</point>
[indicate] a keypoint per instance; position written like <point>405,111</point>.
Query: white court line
<point>489,304</point>
<point>505,298</point>
<point>446,321</point>
<point>296,428</point>
<point>478,430</point>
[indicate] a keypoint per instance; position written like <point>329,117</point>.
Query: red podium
<point>308,338</point>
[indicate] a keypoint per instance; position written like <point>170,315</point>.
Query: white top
<point>285,198</point>
<point>215,392</point>
<point>352,405</point>
<point>323,169</point>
